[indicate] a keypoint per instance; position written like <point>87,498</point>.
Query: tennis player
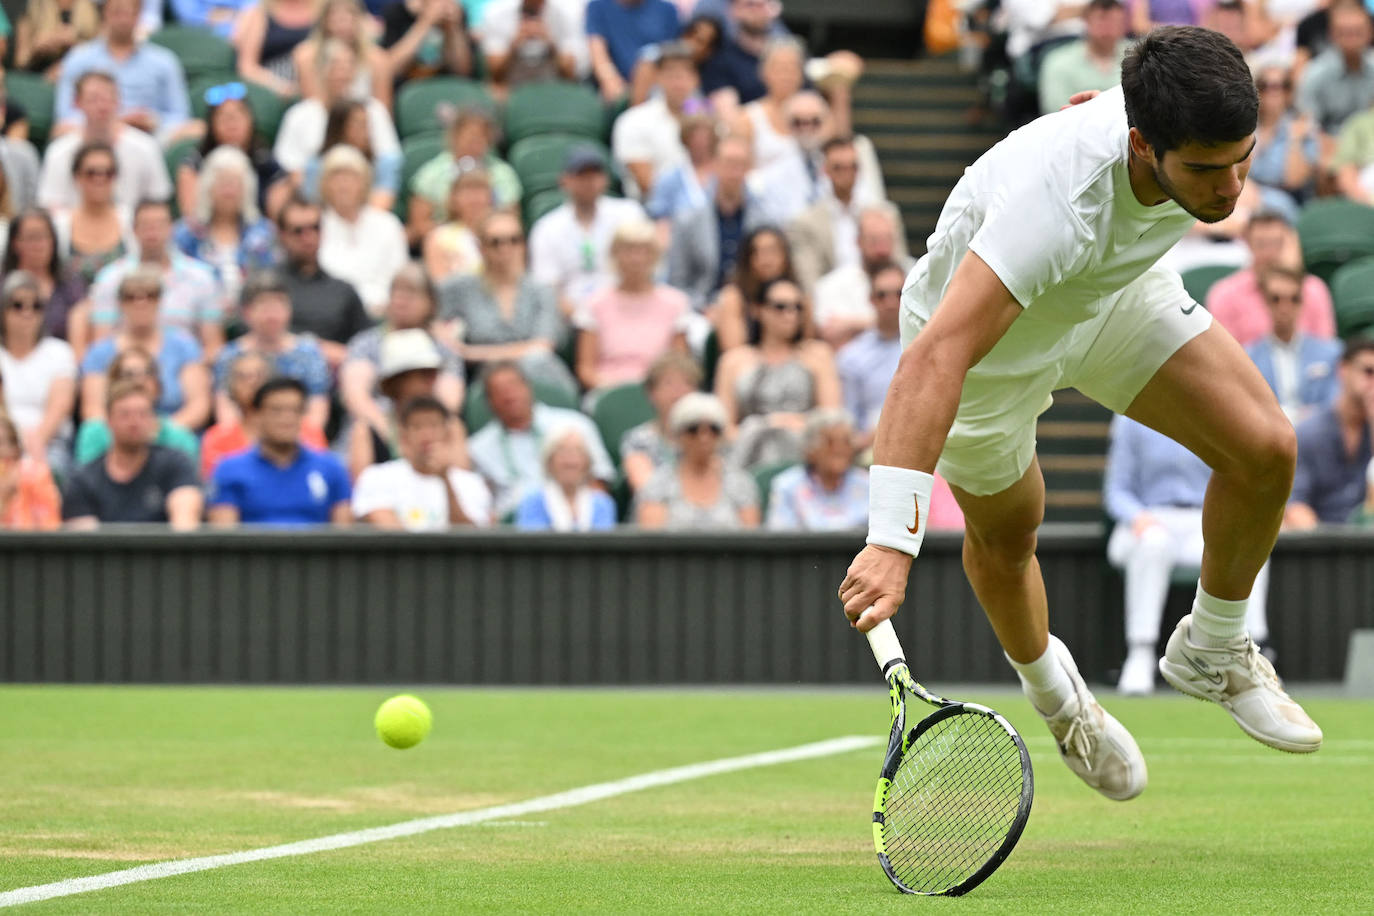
<point>1041,274</point>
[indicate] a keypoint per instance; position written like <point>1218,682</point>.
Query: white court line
<point>568,799</point>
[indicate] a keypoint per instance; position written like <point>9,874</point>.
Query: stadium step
<point>1071,438</point>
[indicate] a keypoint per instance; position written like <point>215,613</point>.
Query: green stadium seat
<point>268,107</point>
<point>617,411</point>
<point>1352,293</point>
<point>476,412</point>
<point>536,205</point>
<point>38,98</point>
<point>710,358</point>
<point>1198,280</point>
<point>538,160</point>
<point>547,108</point>
<point>1333,231</point>
<point>202,53</point>
<point>173,156</point>
<point>419,104</point>
<point>763,477</point>
<point>415,152</point>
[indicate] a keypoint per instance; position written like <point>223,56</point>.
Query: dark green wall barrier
<point>620,608</point>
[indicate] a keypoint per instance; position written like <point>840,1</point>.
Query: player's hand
<point>1078,98</point>
<point>875,586</point>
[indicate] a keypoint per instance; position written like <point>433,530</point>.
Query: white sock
<point>1217,623</point>
<point>1045,680</point>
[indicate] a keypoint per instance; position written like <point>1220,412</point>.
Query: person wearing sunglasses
<point>471,135</point>
<point>39,373</point>
<point>1301,369</point>
<point>321,304</point>
<point>95,232</point>
<point>649,446</point>
<point>1286,148</point>
<point>700,490</point>
<point>229,121</point>
<point>765,121</point>
<point>769,384</point>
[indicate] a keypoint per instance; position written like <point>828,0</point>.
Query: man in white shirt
<point>506,450</point>
<point>526,41</point>
<point>1042,274</point>
<point>570,245</point>
<point>647,139</point>
<point>425,489</point>
<point>142,171</point>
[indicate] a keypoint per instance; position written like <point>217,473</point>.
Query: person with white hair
<point>700,491</point>
<point>567,501</point>
<point>227,231</point>
<point>359,243</point>
<point>826,492</point>
<point>623,328</point>
<point>765,122</point>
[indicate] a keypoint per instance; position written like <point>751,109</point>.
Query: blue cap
<point>584,157</point>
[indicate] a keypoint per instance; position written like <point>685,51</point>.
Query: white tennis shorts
<point>1109,358</point>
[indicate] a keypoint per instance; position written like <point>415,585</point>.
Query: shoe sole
<point>1180,683</point>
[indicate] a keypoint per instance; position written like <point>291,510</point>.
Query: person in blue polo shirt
<point>279,481</point>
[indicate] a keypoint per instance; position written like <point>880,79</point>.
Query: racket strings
<point>953,802</point>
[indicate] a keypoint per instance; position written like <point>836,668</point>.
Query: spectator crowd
<point>556,264</point>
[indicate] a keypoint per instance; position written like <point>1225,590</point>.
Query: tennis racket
<point>955,791</point>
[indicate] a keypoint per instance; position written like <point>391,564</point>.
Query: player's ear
<point>1140,147</point>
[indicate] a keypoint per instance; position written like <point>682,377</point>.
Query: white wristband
<point>898,503</point>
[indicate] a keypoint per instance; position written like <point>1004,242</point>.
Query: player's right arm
<point>976,311</point>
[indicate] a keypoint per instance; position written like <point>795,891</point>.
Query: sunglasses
<point>1265,87</point>
<point>98,173</point>
<point>696,429</point>
<point>498,241</point>
<point>884,294</point>
<point>1294,298</point>
<point>811,123</point>
<point>303,229</point>
<point>25,305</point>
<point>216,96</point>
<point>784,305</point>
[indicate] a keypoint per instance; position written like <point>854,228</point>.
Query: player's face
<point>1204,180</point>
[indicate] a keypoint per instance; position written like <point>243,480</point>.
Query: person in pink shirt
<point>1237,303</point>
<point>625,327</point>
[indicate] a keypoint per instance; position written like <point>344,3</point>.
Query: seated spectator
<point>624,328</point>
<point>152,85</point>
<point>32,247</point>
<point>532,41</point>
<point>1334,447</point>
<point>266,37</point>
<point>347,126</point>
<point>843,301</point>
<point>706,240</point>
<point>134,365</point>
<point>140,170</point>
<point>766,122</point>
<point>1340,80</point>
<point>764,256</point>
<point>569,500</point>
<point>48,29</point>
<point>733,74</point>
<point>135,481</point>
<point>217,16</point>
<point>649,446</point>
<point>185,382</point>
<point>647,139</point>
<point>321,304</point>
<point>409,369</point>
<point>39,373</point>
<point>1153,491</point>
<point>425,38</point>
<point>227,231</point>
<point>279,481</point>
<point>358,242</point>
<point>700,490</point>
<point>265,307</point>
<point>95,232</point>
<point>344,21</point>
<point>1091,62</point>
<point>248,371</point>
<point>1301,370</point>
<point>825,236</point>
<point>685,186</point>
<point>826,492</point>
<point>767,386</point>
<point>617,30</point>
<point>426,488</point>
<point>867,363</point>
<point>506,450</point>
<point>229,121</point>
<point>471,136</point>
<point>192,300</point>
<point>29,500</point>
<point>452,250</point>
<point>303,127</point>
<point>1286,155</point>
<point>570,245</point>
<point>411,305</point>
<point>1236,301</point>
<point>702,36</point>
<point>19,165</point>
<point>504,314</point>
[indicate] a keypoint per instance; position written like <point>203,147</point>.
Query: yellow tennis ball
<point>403,721</point>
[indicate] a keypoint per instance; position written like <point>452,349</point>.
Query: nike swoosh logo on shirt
<point>1189,309</point>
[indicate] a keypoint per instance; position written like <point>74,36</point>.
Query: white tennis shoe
<point>1242,681</point>
<point>1092,742</point>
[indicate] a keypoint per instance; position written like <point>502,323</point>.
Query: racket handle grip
<point>887,649</point>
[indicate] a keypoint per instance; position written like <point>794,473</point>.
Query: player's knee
<point>1005,546</point>
<point>1275,455</point>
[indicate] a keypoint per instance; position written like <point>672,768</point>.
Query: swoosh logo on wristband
<point>917,523</point>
